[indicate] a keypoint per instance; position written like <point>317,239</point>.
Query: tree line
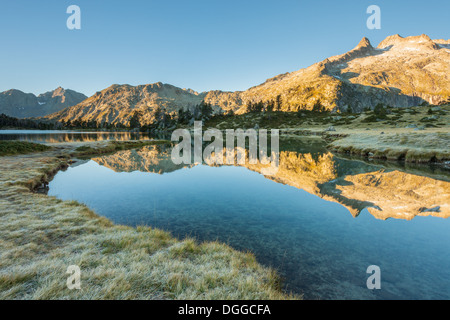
<point>278,105</point>
<point>11,122</point>
<point>162,119</point>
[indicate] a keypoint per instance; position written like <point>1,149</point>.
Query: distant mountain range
<point>16,103</point>
<point>117,103</point>
<point>400,72</point>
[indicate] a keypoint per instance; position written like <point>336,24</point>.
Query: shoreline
<point>408,135</point>
<point>71,228</point>
<point>41,236</point>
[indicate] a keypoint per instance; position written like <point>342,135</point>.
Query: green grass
<point>275,119</point>
<point>9,148</point>
<point>394,117</point>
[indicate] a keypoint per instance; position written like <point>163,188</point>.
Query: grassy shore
<point>415,135</point>
<point>40,236</point>
<point>414,147</point>
<point>8,148</point>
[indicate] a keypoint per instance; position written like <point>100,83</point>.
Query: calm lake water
<point>57,136</point>
<point>302,221</point>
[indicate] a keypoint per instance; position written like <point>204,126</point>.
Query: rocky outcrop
<point>15,103</point>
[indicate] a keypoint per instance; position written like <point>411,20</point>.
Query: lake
<point>321,221</point>
<point>58,136</point>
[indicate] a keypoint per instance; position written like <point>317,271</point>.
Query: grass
<point>40,236</point>
<point>276,119</point>
<point>394,117</point>
<point>8,148</point>
<point>415,147</point>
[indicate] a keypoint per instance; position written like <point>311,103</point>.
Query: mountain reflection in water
<point>386,193</point>
<point>296,221</point>
<point>39,136</point>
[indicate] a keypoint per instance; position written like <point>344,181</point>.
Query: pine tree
<point>270,105</point>
<point>318,107</point>
<point>278,103</point>
<point>206,110</point>
<point>135,121</point>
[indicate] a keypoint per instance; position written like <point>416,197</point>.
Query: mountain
<point>117,103</point>
<point>400,72</point>
<point>16,103</point>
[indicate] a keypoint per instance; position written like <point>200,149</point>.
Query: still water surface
<point>58,136</point>
<point>321,248</point>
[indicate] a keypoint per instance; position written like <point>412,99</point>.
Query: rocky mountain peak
<point>58,91</point>
<point>364,43</point>
<point>396,41</point>
<point>16,103</point>
<point>390,41</point>
<point>14,92</point>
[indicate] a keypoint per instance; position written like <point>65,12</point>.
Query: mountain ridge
<point>400,72</point>
<point>16,103</point>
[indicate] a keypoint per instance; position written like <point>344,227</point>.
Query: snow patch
<point>411,49</point>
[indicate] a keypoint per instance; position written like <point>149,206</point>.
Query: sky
<point>199,44</point>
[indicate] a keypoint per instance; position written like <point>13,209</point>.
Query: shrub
<point>380,111</point>
<point>20,147</point>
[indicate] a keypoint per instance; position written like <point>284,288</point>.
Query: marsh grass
<point>20,147</point>
<point>423,147</point>
<point>40,236</point>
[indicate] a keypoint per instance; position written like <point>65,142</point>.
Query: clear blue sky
<point>198,44</point>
